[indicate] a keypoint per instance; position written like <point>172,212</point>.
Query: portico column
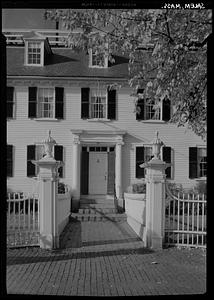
<point>76,171</point>
<point>118,171</point>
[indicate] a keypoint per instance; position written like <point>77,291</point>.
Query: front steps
<point>97,208</point>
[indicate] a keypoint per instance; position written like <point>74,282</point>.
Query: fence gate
<point>185,220</point>
<point>22,220</point>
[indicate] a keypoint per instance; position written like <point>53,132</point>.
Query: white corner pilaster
<point>76,168</point>
<point>118,168</point>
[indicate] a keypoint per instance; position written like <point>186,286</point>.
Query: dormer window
<point>97,60</point>
<point>37,49</point>
<point>34,53</point>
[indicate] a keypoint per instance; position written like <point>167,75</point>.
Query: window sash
<point>46,102</point>
<point>34,53</point>
<point>98,105</point>
<point>97,60</point>
<point>202,162</point>
<point>150,112</point>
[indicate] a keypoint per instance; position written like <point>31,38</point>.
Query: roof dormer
<point>97,60</point>
<point>37,49</point>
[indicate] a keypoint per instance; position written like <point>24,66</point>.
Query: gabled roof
<point>64,63</point>
<point>33,36</point>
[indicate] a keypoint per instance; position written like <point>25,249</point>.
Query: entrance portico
<point>99,173</point>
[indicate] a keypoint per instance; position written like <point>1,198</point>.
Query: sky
<point>25,19</point>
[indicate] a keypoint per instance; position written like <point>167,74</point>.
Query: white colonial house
<point>100,138</point>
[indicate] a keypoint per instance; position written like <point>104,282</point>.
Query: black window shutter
<point>59,107</point>
<point>193,164</point>
<point>9,160</point>
<point>58,155</point>
<point>140,172</point>
<point>32,93</point>
<point>85,103</point>
<point>31,155</point>
<point>166,109</point>
<point>10,91</point>
<point>167,159</point>
<point>111,104</point>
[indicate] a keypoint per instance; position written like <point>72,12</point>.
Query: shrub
<point>175,188</point>
<point>201,187</point>
<point>61,188</point>
<point>137,188</point>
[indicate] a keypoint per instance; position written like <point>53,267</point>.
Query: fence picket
<point>197,226</point>
<point>183,220</point>
<point>202,220</point>
<point>178,218</point>
<point>188,217</point>
<point>190,214</point>
<point>173,218</point>
<point>22,219</point>
<point>193,218</point>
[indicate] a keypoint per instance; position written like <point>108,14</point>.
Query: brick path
<point>105,259</point>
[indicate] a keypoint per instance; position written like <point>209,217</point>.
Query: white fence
<point>185,220</point>
<point>22,219</point>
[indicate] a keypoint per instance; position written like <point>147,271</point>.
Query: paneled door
<point>98,166</point>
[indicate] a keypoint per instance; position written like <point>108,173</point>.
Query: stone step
<point>75,217</point>
<point>94,211</point>
<point>97,201</point>
<point>96,206</point>
<point>97,197</point>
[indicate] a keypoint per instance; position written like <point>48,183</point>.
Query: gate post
<point>155,198</point>
<point>48,190</point>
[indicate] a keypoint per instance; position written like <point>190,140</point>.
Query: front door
<point>98,164</point>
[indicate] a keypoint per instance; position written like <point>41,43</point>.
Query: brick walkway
<point>105,259</point>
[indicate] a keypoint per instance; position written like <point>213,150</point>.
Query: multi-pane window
<point>34,53</point>
<point>9,160</point>
<point>98,104</point>
<point>197,162</point>
<point>98,60</point>
<point>10,102</point>
<point>146,109</point>
<point>45,102</point>
<point>150,112</point>
<point>202,162</point>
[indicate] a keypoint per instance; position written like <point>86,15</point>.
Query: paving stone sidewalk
<point>105,259</point>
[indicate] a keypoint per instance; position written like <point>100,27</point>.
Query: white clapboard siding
<point>22,131</point>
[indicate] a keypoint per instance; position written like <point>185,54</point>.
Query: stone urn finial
<point>156,146</point>
<point>48,146</point>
